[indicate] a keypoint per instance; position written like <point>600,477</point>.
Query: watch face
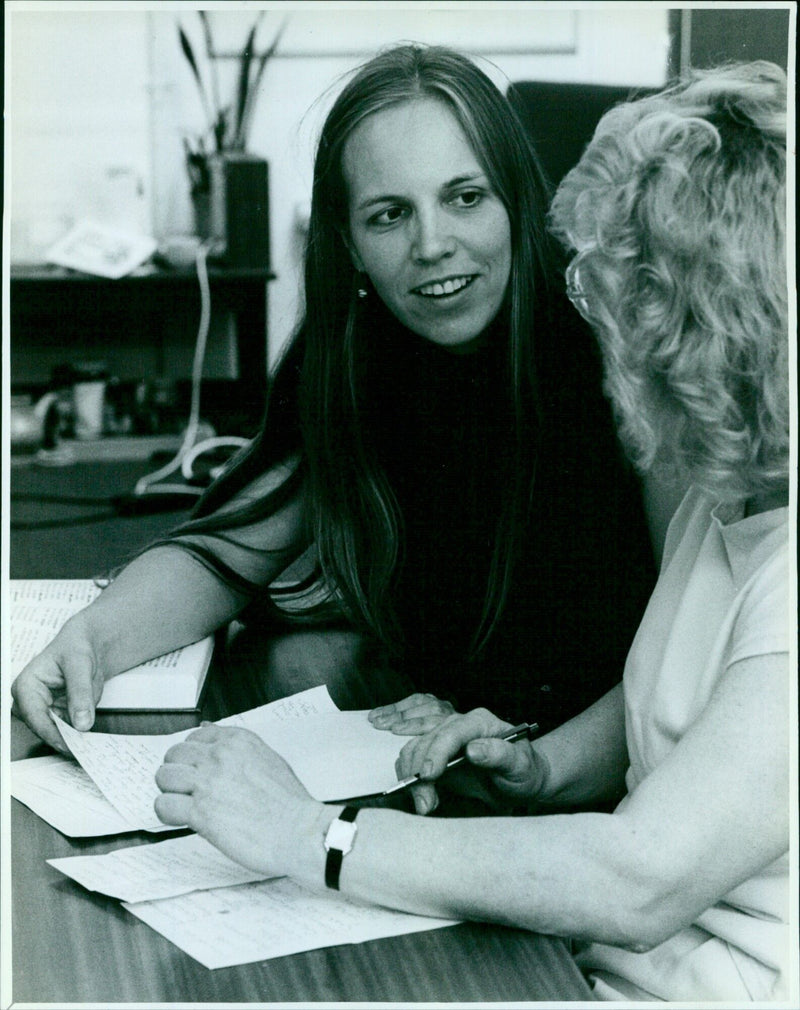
<point>340,835</point>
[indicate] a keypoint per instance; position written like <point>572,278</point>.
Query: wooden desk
<point>70,945</point>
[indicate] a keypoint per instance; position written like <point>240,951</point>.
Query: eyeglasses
<point>575,292</point>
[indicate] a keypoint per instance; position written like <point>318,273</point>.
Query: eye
<point>468,198</point>
<point>388,216</point>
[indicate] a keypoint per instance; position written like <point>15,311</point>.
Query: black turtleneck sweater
<point>584,573</point>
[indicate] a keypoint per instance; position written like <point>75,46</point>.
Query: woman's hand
<point>508,771</point>
<point>65,676</point>
<point>241,796</point>
<point>419,713</point>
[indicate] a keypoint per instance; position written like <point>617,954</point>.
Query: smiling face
<point>425,224</point>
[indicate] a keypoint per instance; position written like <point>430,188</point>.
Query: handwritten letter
<point>273,918</point>
<point>161,870</point>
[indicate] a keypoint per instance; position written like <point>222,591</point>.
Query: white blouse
<point>722,596</point>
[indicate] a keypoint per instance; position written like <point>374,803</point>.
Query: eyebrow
<point>453,183</point>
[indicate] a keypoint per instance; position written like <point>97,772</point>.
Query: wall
<point>627,46</point>
<point>718,34</point>
<point>100,101</point>
<point>78,123</point>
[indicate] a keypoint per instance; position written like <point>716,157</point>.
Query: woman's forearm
<point>566,875</point>
<point>587,757</point>
<point>712,814</point>
<point>167,597</point>
<point>162,600</point>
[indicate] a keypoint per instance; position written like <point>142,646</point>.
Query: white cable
<point>207,445</point>
<point>146,484</point>
<point>171,489</point>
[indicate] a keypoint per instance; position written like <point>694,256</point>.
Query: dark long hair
<point>315,407</point>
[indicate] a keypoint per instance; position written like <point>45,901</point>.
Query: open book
<point>171,683</point>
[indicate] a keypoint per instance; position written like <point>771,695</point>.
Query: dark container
<point>239,222</point>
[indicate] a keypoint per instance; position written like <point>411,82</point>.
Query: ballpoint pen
<point>525,731</point>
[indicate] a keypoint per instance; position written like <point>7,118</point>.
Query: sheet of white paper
<point>59,791</point>
<point>161,870</point>
<point>38,609</point>
<point>237,925</point>
<point>338,755</point>
<point>314,701</point>
<point>72,594</point>
<point>124,765</point>
<point>97,249</point>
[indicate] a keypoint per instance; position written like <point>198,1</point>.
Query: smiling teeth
<point>447,287</point>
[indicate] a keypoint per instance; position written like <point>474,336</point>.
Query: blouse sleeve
<point>764,622</point>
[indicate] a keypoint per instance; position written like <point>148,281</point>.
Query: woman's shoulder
<point>751,544</point>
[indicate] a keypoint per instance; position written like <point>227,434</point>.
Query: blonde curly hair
<point>677,215</point>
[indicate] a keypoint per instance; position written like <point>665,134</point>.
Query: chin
<point>457,343</point>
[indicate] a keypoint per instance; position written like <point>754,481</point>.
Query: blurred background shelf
<point>144,326</point>
<point>114,448</point>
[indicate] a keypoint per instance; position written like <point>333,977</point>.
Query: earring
<point>362,292</point>
<point>361,289</point>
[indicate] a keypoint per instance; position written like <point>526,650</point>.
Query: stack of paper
<point>161,870</point>
<point>217,911</point>
<point>272,918</point>
<point>60,792</point>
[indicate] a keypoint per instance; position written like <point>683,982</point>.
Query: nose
<point>433,238</point>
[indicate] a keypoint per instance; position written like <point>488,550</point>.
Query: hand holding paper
<point>233,789</point>
<point>52,665</point>
<point>56,667</point>
<point>124,768</point>
<point>233,915</point>
<point>336,755</point>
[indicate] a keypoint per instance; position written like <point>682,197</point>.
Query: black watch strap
<point>333,862</point>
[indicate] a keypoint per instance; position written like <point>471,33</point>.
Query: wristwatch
<point>339,840</point>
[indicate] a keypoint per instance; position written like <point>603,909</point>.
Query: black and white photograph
<point>399,495</point>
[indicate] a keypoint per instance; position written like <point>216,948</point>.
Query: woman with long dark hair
<point>435,445</point>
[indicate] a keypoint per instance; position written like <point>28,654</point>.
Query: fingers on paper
<point>83,682</point>
<point>32,700</point>
<point>80,705</point>
<point>37,716</point>
<point>173,808</point>
<point>414,715</point>
<point>187,752</point>
<point>425,797</point>
<point>176,778</point>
